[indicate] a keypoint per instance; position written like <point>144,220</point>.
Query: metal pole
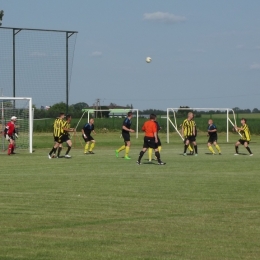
<point>67,73</point>
<point>14,62</point>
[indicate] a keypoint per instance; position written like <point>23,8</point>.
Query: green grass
<point>103,207</point>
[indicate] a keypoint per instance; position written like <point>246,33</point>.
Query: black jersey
<point>127,123</point>
<point>88,128</point>
<point>212,127</point>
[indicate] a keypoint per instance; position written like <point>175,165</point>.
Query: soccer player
<point>213,137</point>
<point>150,139</point>
<point>86,134</point>
<point>189,133</point>
<point>10,134</point>
<point>126,130</point>
<point>57,134</point>
<point>66,136</point>
<point>159,144</point>
<point>244,130</point>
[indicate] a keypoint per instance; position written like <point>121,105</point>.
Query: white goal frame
<point>175,126</point>
<point>30,119</point>
<point>115,111</point>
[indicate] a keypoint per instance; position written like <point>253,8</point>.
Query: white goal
<point>21,107</point>
<point>228,112</point>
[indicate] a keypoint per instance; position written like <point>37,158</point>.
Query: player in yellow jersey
<point>57,134</point>
<point>246,137</point>
<point>189,133</point>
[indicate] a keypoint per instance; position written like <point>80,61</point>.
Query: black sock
<point>185,148</point>
<point>59,150</point>
<point>52,151</point>
<point>196,148</point>
<point>236,147</point>
<point>68,150</point>
<point>248,149</point>
<point>140,155</point>
<point>157,154</point>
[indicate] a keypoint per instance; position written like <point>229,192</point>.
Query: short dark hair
<point>152,116</point>
<point>61,113</point>
<point>129,113</point>
<point>68,116</point>
<point>243,119</point>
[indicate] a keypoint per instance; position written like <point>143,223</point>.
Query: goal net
<point>22,109</point>
<point>175,116</point>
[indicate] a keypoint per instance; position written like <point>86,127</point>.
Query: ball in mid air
<point>148,59</point>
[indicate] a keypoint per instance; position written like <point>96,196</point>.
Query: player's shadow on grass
<point>188,154</point>
<point>243,154</point>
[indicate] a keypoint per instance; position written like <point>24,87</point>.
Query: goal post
<point>21,107</point>
<point>112,111</point>
<point>175,125</point>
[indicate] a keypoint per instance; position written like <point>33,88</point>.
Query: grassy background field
<point>102,207</point>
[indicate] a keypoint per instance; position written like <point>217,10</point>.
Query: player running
<point>213,137</point>
<point>150,139</point>
<point>66,135</point>
<point>57,134</point>
<point>10,134</point>
<point>189,133</point>
<point>126,130</point>
<point>244,130</point>
<point>86,134</point>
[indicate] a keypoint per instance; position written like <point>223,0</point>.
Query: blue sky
<point>204,53</point>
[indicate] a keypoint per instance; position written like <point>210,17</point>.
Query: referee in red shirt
<point>150,139</point>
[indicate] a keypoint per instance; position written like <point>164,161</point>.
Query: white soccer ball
<point>148,59</point>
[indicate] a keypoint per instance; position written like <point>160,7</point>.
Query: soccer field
<point>102,207</point>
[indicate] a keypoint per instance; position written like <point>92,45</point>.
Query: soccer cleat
<point>150,160</point>
<point>117,153</point>
<point>213,154</point>
<point>236,154</point>
<point>127,158</point>
<point>161,163</point>
<point>91,152</point>
<point>219,153</point>
<point>184,154</point>
<point>49,156</point>
<point>250,154</point>
<point>191,152</point>
<point>196,154</point>
<point>67,156</point>
<point>138,162</point>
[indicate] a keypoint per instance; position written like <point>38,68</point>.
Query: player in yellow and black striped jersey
<point>57,133</point>
<point>246,137</point>
<point>189,133</point>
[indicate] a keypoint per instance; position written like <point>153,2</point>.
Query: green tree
<point>1,16</point>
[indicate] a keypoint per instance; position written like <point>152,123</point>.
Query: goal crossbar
<point>175,126</point>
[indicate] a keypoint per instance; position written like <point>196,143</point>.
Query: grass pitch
<point>102,207</point>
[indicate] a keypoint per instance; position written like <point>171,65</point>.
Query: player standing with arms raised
<point>126,130</point>
<point>10,134</point>
<point>213,137</point>
<point>150,139</point>
<point>246,137</point>
<point>86,134</point>
<point>189,133</point>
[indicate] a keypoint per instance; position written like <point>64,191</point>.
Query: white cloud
<point>164,17</point>
<point>96,54</point>
<point>255,66</point>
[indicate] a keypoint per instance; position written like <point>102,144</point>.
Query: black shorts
<point>88,138</point>
<point>126,137</point>
<point>243,141</point>
<point>212,139</point>
<point>191,138</point>
<point>65,138</point>
<point>149,142</point>
<point>58,139</point>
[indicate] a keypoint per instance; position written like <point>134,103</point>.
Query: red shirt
<point>10,128</point>
<point>149,128</point>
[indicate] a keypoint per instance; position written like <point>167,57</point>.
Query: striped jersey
<point>188,127</point>
<point>58,127</point>
<point>245,133</point>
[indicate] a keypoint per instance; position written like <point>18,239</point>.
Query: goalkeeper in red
<point>10,134</point>
<point>245,138</point>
